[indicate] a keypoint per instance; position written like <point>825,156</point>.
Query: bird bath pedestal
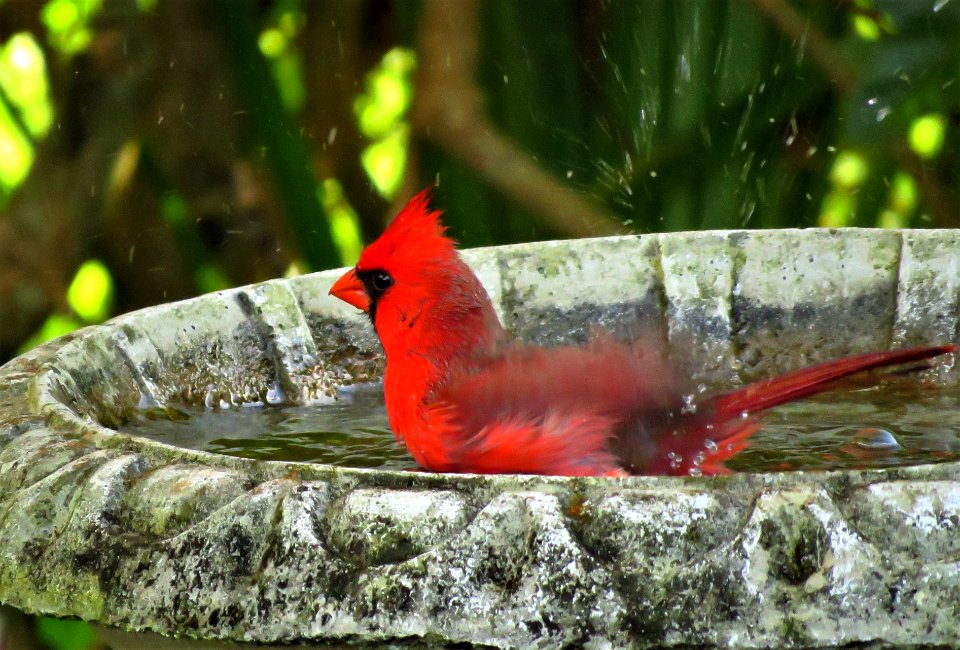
<point>139,536</point>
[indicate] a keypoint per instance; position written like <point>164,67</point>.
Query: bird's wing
<point>556,443</point>
<point>543,410</point>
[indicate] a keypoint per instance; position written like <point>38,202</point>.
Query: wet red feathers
<point>465,397</point>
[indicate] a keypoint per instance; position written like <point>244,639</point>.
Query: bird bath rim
<point>147,536</point>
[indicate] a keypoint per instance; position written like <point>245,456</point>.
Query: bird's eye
<point>382,280</point>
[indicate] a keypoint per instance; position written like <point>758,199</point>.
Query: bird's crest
<point>415,233</point>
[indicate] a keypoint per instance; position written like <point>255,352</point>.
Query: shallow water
<point>353,432</point>
<point>901,422</point>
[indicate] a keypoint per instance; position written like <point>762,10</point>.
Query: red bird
<point>463,396</point>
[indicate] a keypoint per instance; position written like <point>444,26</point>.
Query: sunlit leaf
<point>55,325</point>
<point>901,202</point>
<point>67,23</point>
<point>16,152</point>
<point>91,291</point>
<point>385,161</point>
<point>866,28</point>
<point>388,93</point>
<point>23,77</point>
<point>927,133</point>
<point>285,61</point>
<point>903,193</point>
<point>344,224</point>
<point>272,43</point>
<point>291,22</point>
<point>836,210</point>
<point>849,169</point>
<point>288,72</point>
<point>892,219</point>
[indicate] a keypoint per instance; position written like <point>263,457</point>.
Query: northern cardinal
<point>464,396</point>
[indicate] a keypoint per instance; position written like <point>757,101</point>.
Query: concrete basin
<point>140,536</point>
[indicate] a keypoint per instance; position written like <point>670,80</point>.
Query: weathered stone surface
<point>790,286</point>
<point>698,285</point>
<point>625,298</point>
<point>143,537</point>
<point>388,526</point>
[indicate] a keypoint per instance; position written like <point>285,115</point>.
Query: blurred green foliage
<point>68,23</point>
<point>663,114</point>
<point>381,115</point>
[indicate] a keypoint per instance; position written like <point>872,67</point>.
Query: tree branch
<point>449,111</point>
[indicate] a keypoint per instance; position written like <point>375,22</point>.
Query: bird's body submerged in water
<point>463,396</point>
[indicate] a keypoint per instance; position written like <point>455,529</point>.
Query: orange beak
<point>350,290</point>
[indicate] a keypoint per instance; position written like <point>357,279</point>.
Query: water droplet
<point>208,397</point>
<point>875,439</point>
<point>689,405</point>
<point>275,395</point>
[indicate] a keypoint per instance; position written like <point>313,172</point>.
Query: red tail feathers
<point>802,383</point>
<point>722,426</point>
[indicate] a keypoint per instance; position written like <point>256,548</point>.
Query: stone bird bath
<point>140,536</point>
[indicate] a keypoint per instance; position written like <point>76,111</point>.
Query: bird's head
<point>413,270</point>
